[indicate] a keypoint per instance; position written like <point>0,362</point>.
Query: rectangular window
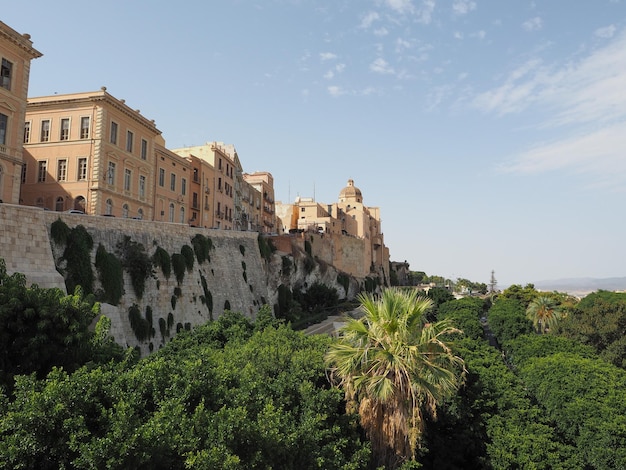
<point>23,173</point>
<point>127,177</point>
<point>65,129</point>
<point>161,177</point>
<point>144,149</point>
<point>113,136</point>
<point>129,141</point>
<point>27,132</point>
<point>6,70</point>
<point>43,169</point>
<point>142,186</point>
<point>62,170</point>
<point>82,169</point>
<point>84,127</point>
<point>219,184</point>
<point>45,130</point>
<point>183,186</point>
<point>111,173</point>
<point>173,182</point>
<point>4,122</point>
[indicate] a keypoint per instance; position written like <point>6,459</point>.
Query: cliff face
<point>234,277</point>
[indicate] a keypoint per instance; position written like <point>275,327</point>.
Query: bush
<point>179,264</point>
<point>189,256</point>
<point>111,276</point>
<point>161,258</point>
<point>202,247</point>
<point>136,262</point>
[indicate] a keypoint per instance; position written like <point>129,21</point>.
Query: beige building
<point>222,186</point>
<point>348,217</point>
<point>90,152</point>
<point>16,53</point>
<point>172,195</point>
<point>263,182</point>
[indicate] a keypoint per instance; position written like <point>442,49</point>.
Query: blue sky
<point>492,134</point>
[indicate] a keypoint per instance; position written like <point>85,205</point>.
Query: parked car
<point>74,211</point>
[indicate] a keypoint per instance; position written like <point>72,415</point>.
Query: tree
<point>395,369</point>
<point>544,312</point>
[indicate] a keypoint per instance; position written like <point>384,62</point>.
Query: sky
<point>491,134</point>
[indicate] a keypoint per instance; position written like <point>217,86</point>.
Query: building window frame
<point>6,73</point>
<point>183,186</point>
<point>142,186</point>
<point>64,129</point>
<point>45,130</point>
<point>161,177</point>
<point>82,169</point>
<point>144,149</point>
<point>85,123</point>
<point>128,174</point>
<point>173,182</point>
<point>4,127</point>
<point>111,173</point>
<point>113,135</point>
<point>42,170</point>
<point>62,169</point>
<point>27,129</point>
<point>129,141</point>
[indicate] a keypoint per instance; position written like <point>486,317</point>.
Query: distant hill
<point>583,285</point>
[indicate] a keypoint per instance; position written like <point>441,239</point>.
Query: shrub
<point>59,232</point>
<point>136,262</point>
<point>344,281</point>
<point>140,326</point>
<point>179,265</point>
<point>202,247</point>
<point>77,254</point>
<point>266,247</point>
<point>188,254</point>
<point>243,250</point>
<point>286,265</point>
<point>111,276</point>
<point>161,258</point>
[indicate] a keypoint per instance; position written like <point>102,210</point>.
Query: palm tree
<point>544,312</point>
<point>395,370</point>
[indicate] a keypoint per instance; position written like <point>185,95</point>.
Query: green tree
<point>544,312</point>
<point>395,369</point>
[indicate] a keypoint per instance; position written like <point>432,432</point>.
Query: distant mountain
<point>582,285</point>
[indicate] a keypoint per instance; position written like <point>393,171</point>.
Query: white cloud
<point>479,34</point>
<point>606,32</point>
<point>369,18</point>
<point>380,65</point>
<point>463,7</point>
<point>340,67</point>
<point>401,6</point>
<point>533,24</point>
<point>402,44</point>
<point>335,91</point>
<point>458,35</point>
<point>584,99</point>
<point>327,56</point>
<point>329,75</point>
<point>425,12</point>
<point>381,32</point>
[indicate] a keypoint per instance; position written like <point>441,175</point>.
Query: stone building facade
<point>16,53</point>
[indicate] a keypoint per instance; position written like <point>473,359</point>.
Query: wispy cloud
<point>381,66</point>
<point>578,98</point>
<point>401,6</point>
<point>606,32</point>
<point>369,18</point>
<point>324,56</point>
<point>533,24</point>
<point>463,7</point>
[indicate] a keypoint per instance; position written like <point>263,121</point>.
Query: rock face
<point>237,277</point>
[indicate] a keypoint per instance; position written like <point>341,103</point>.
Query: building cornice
<point>22,41</point>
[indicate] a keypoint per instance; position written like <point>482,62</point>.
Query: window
<point>27,132</point>
<point>173,182</point>
<point>129,141</point>
<point>62,170</point>
<point>171,218</point>
<point>219,184</point>
<point>59,205</point>
<point>195,175</point>
<point>84,127</point>
<point>183,186</point>
<point>161,177</point>
<point>219,165</point>
<point>125,210</point>
<point>182,215</point>
<point>43,169</point>
<point>113,136</point>
<point>108,210</point>
<point>194,200</point>
<point>142,186</point>
<point>140,214</point>
<point>144,149</point>
<point>6,70</point>
<point>111,173</point>
<point>23,173</point>
<point>45,130</point>
<point>82,169</point>
<point>65,129</point>
<point>127,176</point>
<point>4,122</point>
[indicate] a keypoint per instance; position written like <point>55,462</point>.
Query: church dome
<point>350,193</point>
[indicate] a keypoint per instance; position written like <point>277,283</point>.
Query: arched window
<point>171,212</point>
<point>182,215</point>
<point>125,211</point>
<point>140,213</point>
<point>59,204</point>
<point>80,203</point>
<point>109,207</point>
